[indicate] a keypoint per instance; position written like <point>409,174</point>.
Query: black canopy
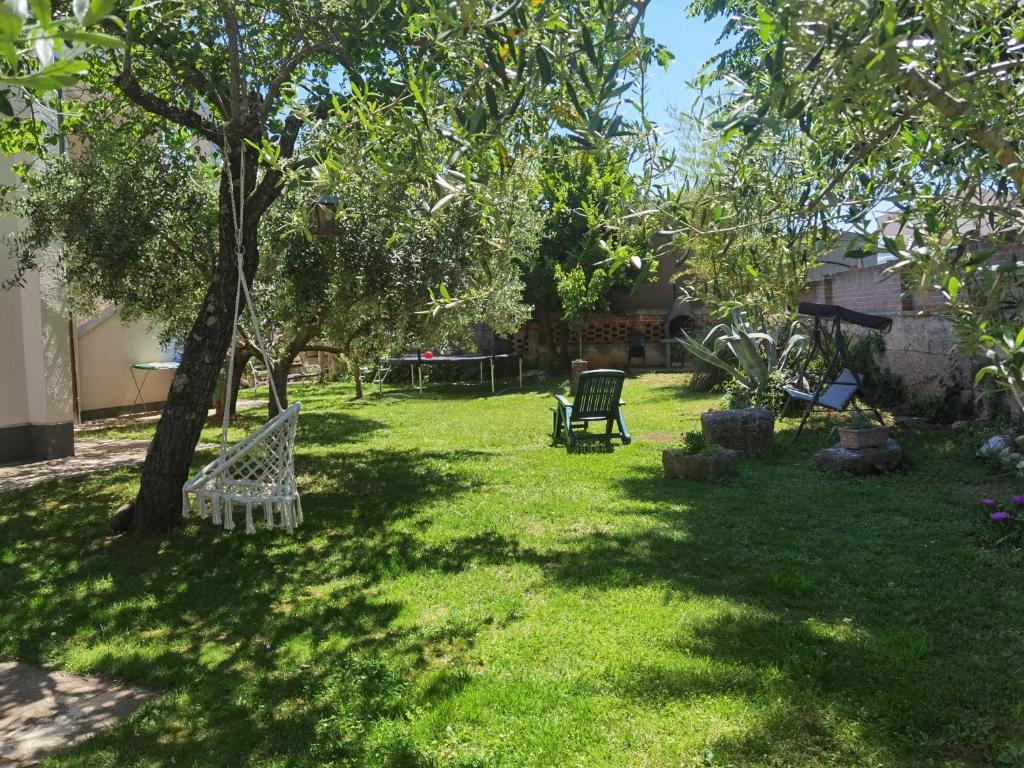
<point>834,311</point>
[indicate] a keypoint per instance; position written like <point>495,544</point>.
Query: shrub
<point>882,388</point>
<point>753,359</point>
<point>694,443</point>
<point>768,395</point>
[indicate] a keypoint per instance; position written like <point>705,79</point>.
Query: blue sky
<point>693,43</point>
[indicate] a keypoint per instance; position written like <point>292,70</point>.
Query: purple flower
<point>999,516</point>
<point>988,502</point>
<point>1018,498</point>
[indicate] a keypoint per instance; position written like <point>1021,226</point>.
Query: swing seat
<point>256,472</point>
<point>836,396</point>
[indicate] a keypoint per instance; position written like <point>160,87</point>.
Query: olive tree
<point>248,80</point>
<point>915,108</point>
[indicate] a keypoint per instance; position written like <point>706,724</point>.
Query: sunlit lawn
<point>464,594</point>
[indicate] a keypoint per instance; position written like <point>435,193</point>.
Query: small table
<point>147,368</point>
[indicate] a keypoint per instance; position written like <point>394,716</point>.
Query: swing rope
<point>242,286</point>
<point>260,467</point>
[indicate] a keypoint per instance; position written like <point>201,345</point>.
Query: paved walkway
<point>90,456</point>
<point>93,455</point>
<point>42,711</point>
<point>149,417</point>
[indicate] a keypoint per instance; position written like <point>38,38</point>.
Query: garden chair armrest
<point>562,401</point>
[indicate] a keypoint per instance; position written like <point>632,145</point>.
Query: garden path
<point>42,711</point>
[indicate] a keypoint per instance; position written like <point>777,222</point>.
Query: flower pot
<point>853,439</point>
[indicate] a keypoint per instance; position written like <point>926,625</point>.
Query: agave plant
<point>755,355</point>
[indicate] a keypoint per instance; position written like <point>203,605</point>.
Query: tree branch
<point>325,348</point>
<point>999,147</point>
<point>156,105</point>
<point>269,186</point>
<point>297,59</point>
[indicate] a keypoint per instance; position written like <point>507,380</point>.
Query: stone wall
<point>921,350</point>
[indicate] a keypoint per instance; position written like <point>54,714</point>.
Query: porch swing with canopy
<point>841,383</point>
<point>258,472</point>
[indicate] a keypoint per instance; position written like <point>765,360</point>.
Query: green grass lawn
<point>464,594</point>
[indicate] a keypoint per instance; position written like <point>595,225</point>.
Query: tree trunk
<point>280,366</point>
<point>279,373</point>
<point>231,390</point>
<point>357,376</point>
<point>158,505</point>
<point>242,358</point>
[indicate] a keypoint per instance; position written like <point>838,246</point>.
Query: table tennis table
<point>416,363</point>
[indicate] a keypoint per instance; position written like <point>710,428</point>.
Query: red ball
<point>428,355</point>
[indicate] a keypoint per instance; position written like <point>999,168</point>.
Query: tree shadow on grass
<point>265,647</point>
<point>863,620</point>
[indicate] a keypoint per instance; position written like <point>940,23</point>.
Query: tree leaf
<point>98,10</point>
<point>98,39</point>
<point>442,203</point>
<point>953,286</point>
<point>10,26</point>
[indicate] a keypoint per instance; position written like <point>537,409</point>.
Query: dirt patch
<point>662,437</point>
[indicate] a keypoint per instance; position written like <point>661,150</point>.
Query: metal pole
<point>520,373</point>
<point>492,375</point>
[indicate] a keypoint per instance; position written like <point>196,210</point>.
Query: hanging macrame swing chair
<point>256,474</point>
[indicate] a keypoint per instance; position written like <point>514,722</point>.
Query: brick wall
<point>871,290</point>
<point>604,339</point>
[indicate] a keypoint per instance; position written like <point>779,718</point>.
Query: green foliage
<point>694,443</point>
<point>579,294</point>
<point>588,245</point>
<point>749,356</point>
<point>133,220</point>
<point>935,139</point>
<point>860,420</point>
<point>386,257</point>
<point>1004,348</point>
<point>741,218</point>
<point>767,394</point>
<point>41,52</point>
<point>882,388</point>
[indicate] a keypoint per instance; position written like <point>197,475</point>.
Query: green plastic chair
<point>597,399</point>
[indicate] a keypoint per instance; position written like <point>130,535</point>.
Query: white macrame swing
<point>258,472</point>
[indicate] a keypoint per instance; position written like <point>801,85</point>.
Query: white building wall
<point>106,349</point>
<point>35,355</point>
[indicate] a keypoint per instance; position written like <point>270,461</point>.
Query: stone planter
<point>747,430</point>
<point>699,466</point>
<point>853,439</point>
<point>884,458</point>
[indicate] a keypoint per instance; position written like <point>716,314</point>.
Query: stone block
<point>863,462</point>
<point>699,466</point>
<point>747,430</point>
